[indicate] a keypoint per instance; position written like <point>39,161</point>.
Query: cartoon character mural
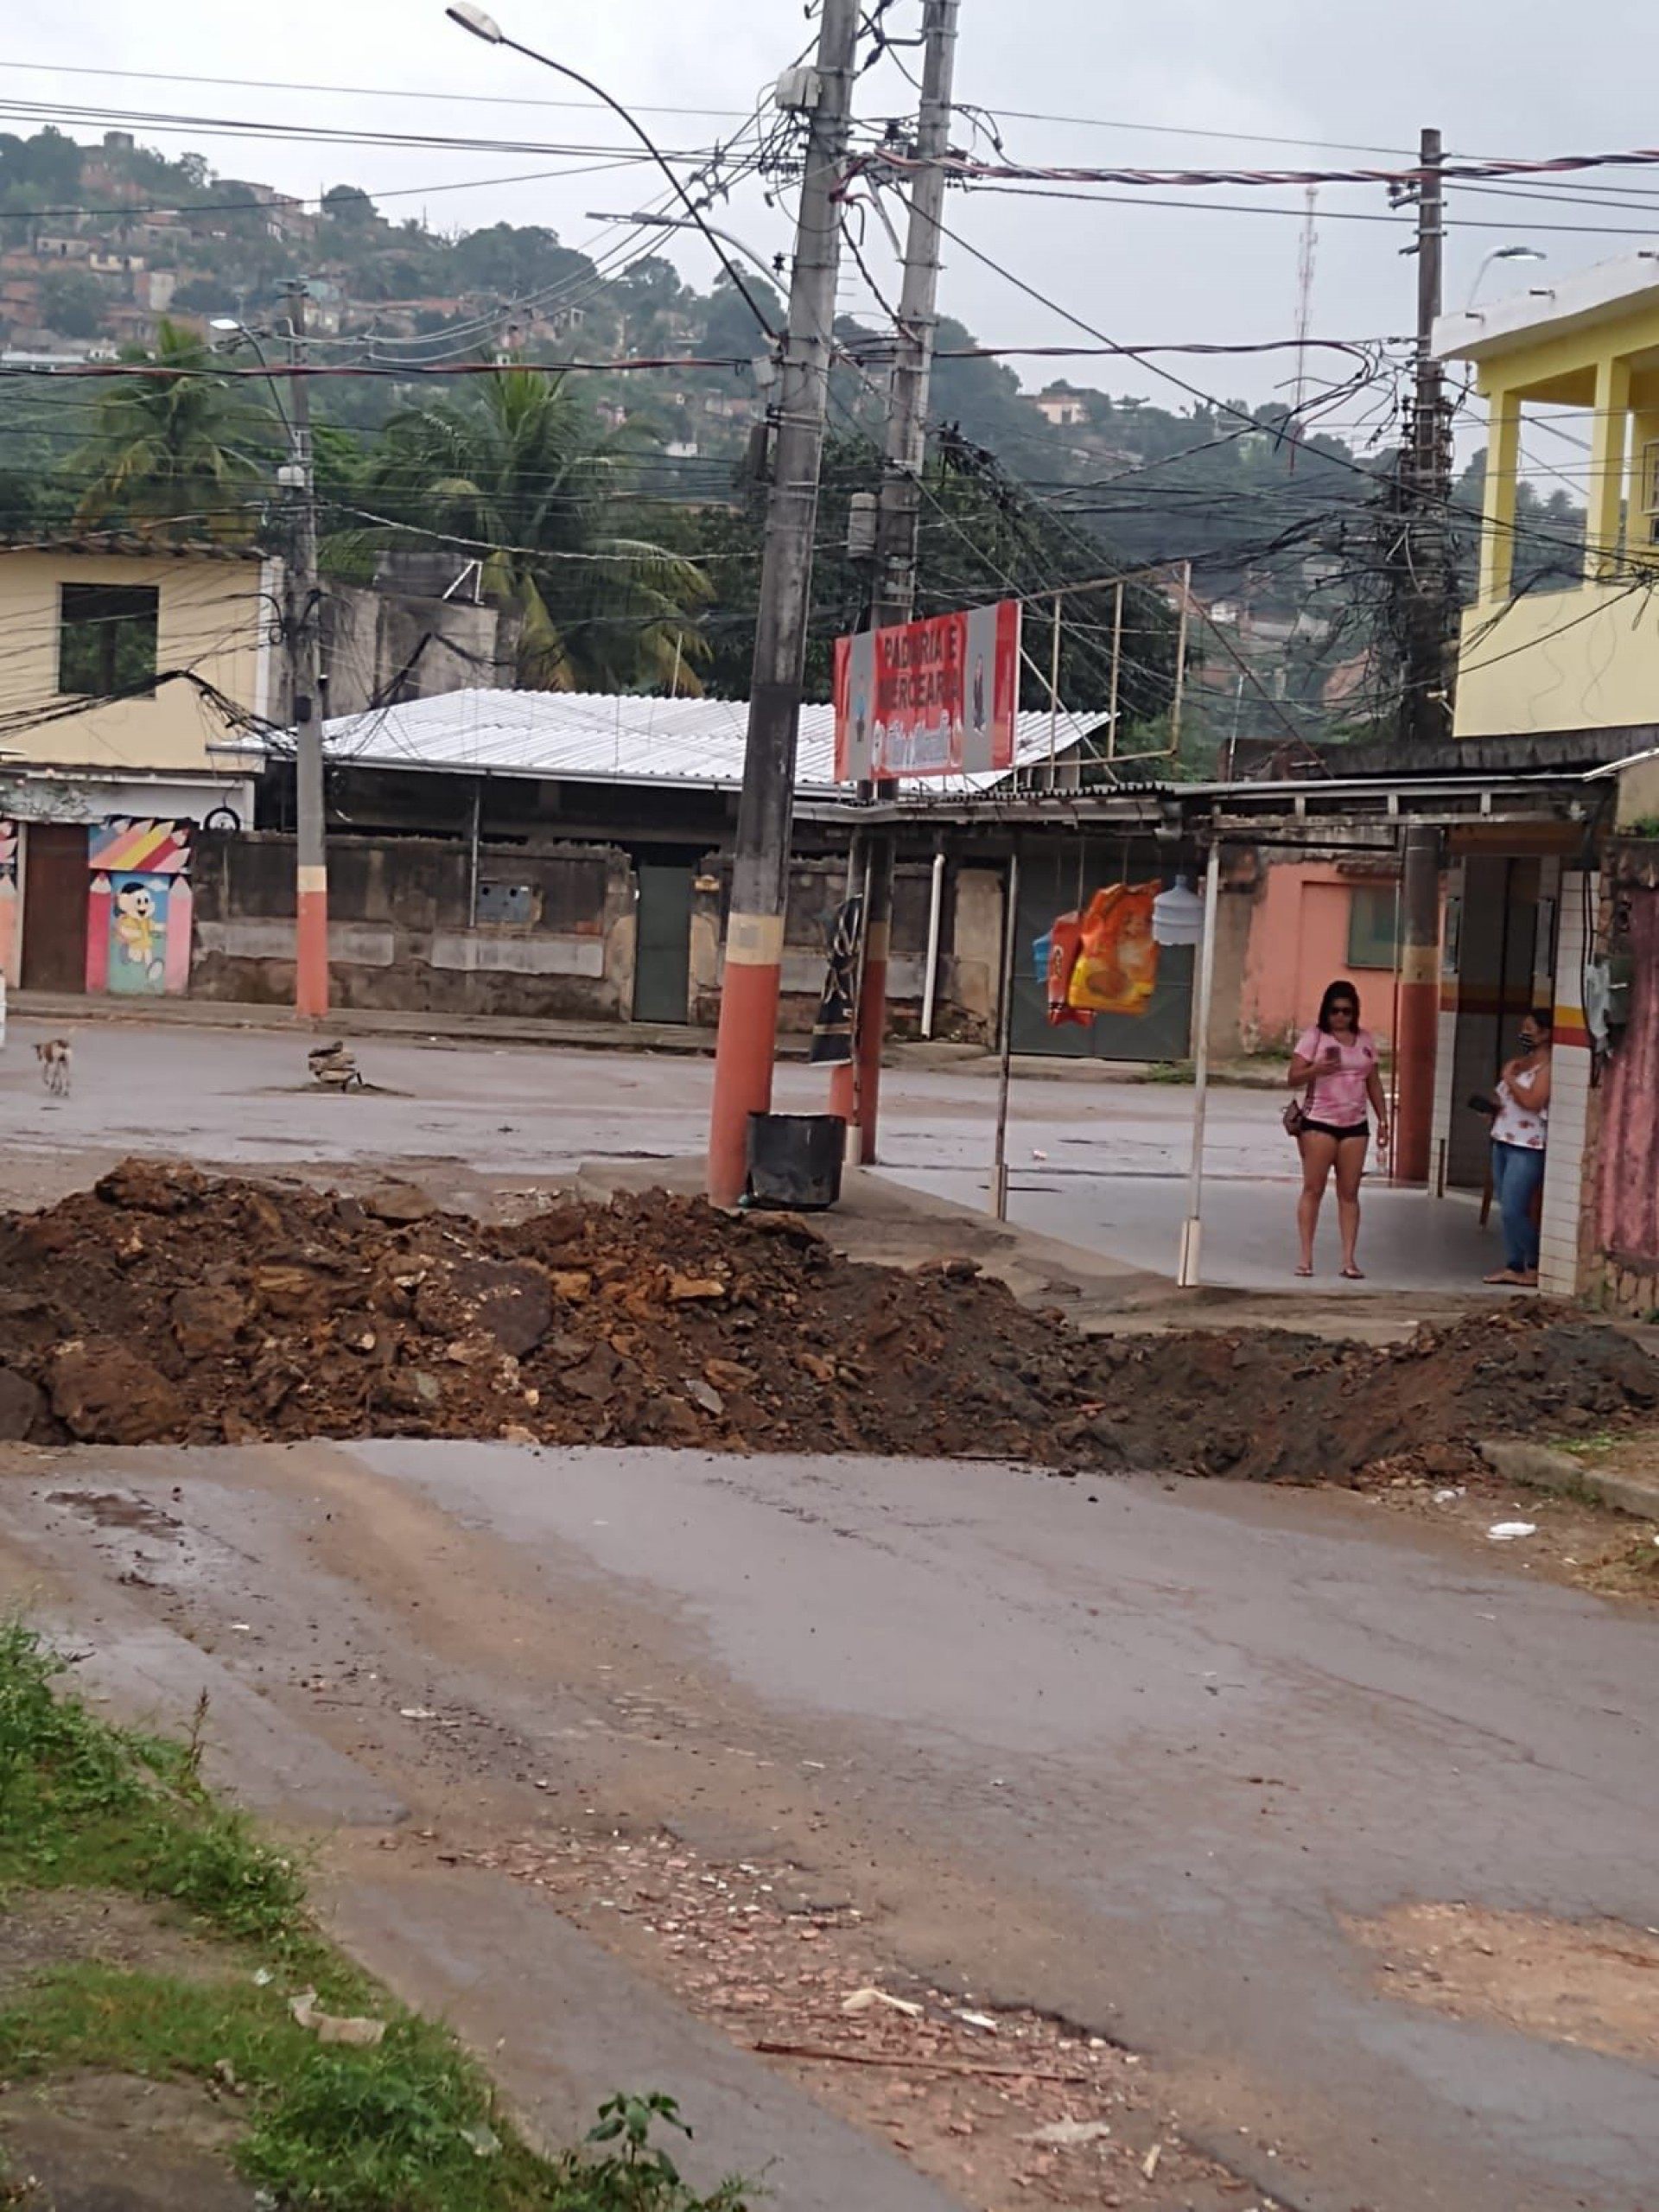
<point>1104,960</point>
<point>9,902</point>
<point>139,907</point>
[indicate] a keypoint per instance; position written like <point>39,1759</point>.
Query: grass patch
<point>409,2126</point>
<point>85,1805</point>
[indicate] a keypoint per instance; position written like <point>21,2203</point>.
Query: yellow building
<point>1577,650</point>
<point>124,668</point>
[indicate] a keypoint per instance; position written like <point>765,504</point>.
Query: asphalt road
<point>1137,1755</point>
<point>1098,1163</point>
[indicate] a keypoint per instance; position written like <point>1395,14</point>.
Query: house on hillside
<point>282,216</point>
<point>110,261</point>
<point>128,665</point>
<point>1061,408</point>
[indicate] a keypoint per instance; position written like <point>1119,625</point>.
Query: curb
<point>1539,1468</point>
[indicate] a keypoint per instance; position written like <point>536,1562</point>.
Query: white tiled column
<point>1544,967</point>
<point>1569,1095</point>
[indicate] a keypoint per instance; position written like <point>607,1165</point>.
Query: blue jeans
<point>1517,1171</point>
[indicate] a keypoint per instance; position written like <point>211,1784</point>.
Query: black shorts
<point>1330,1129</point>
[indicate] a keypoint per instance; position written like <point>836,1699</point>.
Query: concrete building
<point>568,853</point>
<point>1577,650</point>
<point>1060,408</point>
<point>126,664</point>
<point>1558,670</point>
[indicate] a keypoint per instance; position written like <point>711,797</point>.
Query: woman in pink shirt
<point>1335,1067</point>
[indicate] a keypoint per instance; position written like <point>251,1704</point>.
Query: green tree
<point>44,169</point>
<point>730,331</point>
<point>72,302</point>
<point>180,454</point>
<point>513,259</point>
<point>350,206</point>
<point>205,295</point>
<point>982,538</point>
<point>517,477</point>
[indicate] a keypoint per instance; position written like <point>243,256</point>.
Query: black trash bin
<point>795,1160</point>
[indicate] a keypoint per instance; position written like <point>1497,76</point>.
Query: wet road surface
<point>1132,1753</point>
<point>1097,1163</point>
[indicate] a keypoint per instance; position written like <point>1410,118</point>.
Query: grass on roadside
<point>407,2125</point>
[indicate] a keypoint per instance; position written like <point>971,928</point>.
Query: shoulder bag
<point>1295,1114</point>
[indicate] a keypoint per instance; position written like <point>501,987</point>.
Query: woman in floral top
<point>1520,1130</point>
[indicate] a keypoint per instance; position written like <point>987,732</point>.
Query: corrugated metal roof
<point>604,737</point>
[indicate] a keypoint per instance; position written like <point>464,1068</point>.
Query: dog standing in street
<point>57,1057</point>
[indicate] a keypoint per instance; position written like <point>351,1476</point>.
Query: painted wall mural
<point>139,907</point>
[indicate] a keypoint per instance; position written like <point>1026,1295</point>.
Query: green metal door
<point>662,942</point>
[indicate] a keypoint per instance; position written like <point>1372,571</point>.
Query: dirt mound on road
<point>1269,1405</point>
<point>168,1307</point>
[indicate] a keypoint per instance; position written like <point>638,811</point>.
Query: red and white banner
<point>933,698</point>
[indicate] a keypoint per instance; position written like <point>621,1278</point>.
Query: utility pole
<point>856,1091</point>
<point>755,928</point>
<point>1423,565</point>
<point>1426,600</point>
<point>1418,1001</point>
<point>302,618</point>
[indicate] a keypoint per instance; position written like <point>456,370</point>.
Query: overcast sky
<point>1286,68</point>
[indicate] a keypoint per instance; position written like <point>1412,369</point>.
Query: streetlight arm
<point>241,330</point>
<point>484,26</point>
<point>1499,253</point>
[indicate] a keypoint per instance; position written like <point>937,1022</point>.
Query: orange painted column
<point>745,1048</point>
<point>870,1031</point>
<point>844,1091</point>
<point>869,1035</point>
<point>311,949</point>
<point>1420,1003</point>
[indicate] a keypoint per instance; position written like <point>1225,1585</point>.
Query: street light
<point>234,329</point>
<point>1501,253</point>
<point>485,27</point>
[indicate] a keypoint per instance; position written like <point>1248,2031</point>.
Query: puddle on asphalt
<point>117,1510</point>
<point>1595,1983</point>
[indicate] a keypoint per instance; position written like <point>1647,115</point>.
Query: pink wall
<point>1628,1197</point>
<point>1299,944</point>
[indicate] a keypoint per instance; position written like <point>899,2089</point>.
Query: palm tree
<point>516,477</point>
<point>180,454</point>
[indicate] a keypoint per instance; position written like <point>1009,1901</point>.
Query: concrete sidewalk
<point>69,1010</point>
<point>886,1223</point>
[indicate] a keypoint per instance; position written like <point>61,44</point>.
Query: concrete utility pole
<point>856,1090</point>
<point>1424,566</point>
<point>301,619</point>
<point>1418,1017</point>
<point>1427,597</point>
<point>755,928</point>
